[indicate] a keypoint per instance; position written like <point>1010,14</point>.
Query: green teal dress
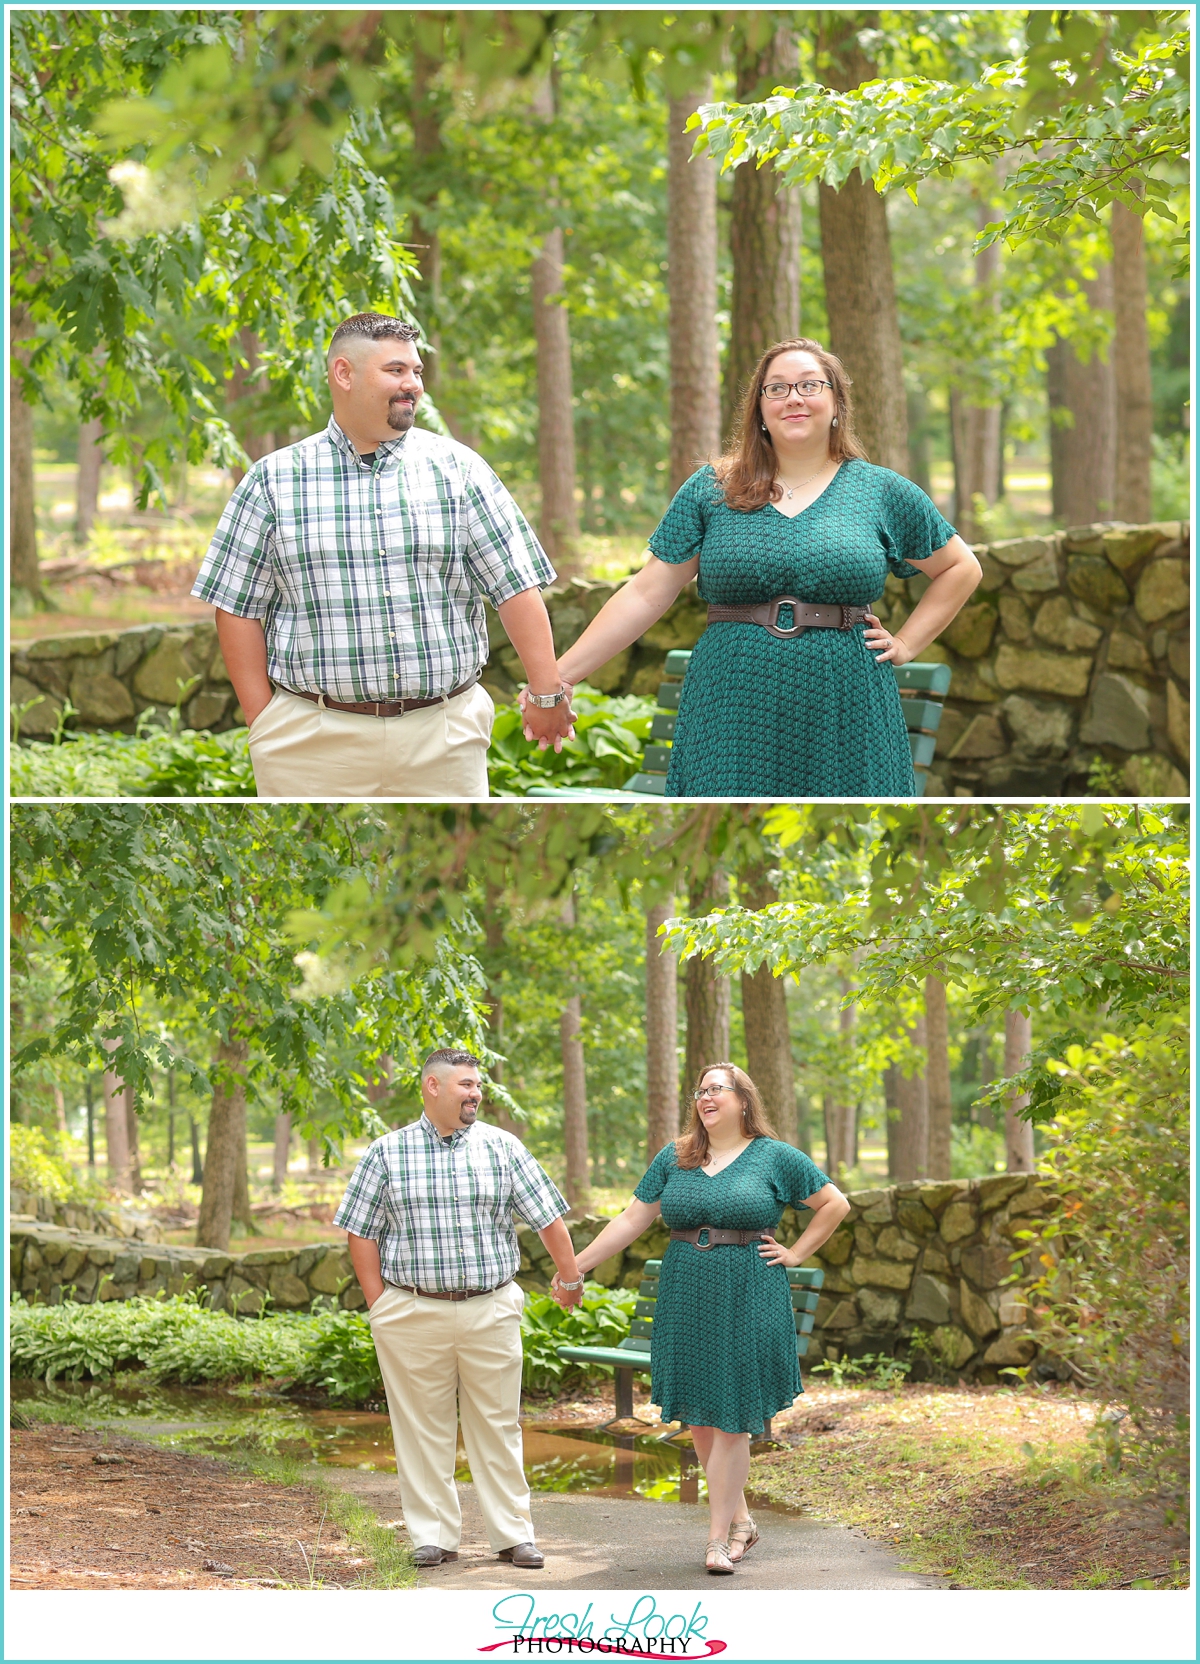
<point>814,715</point>
<point>724,1352</point>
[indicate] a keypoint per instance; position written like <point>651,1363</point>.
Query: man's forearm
<point>244,649</point>
<point>527,625</point>
<point>364,1257</point>
<point>558,1243</point>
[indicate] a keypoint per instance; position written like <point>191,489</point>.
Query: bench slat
<point>924,714</point>
<point>668,695</point>
<point>663,726</point>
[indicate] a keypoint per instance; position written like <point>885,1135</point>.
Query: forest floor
<point>994,1487</point>
<point>93,1510</point>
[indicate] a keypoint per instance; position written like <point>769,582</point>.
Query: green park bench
<point>634,1351</point>
<point>923,687</point>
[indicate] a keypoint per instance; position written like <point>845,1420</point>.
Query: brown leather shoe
<point>432,1555</point>
<point>526,1555</point>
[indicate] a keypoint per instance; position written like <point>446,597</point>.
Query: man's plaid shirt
<point>441,1209</point>
<point>370,577</point>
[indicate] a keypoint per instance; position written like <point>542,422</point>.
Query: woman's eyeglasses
<point>806,389</point>
<point>710,1092</point>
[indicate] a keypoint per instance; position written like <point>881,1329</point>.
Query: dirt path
<point>91,1511</point>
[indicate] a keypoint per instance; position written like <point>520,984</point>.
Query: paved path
<point>607,1542</point>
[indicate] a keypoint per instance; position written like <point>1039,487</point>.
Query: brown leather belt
<point>718,1237</point>
<point>451,1294</point>
<point>806,615</point>
<point>381,707</point>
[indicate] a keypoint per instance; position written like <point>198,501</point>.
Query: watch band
<point>546,701</point>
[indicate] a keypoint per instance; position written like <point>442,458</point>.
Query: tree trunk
<point>313,1155</point>
<point>493,935</point>
<point>226,1134</point>
<point>765,1015</point>
<point>937,1077</point>
<point>197,1163</point>
<point>242,393</point>
<point>575,1127</point>
<point>764,233</point>
<point>90,460</point>
<point>912,1129</point>
<point>427,154</point>
<point>25,583</point>
<point>132,1143</point>
<point>170,1121</point>
<point>841,1116</point>
<point>978,463</point>
<point>283,1148</point>
<point>1018,1134</point>
<point>116,1128</point>
<point>662,1031</point>
<point>692,294</point>
<point>860,292</point>
<point>706,998</point>
<point>1082,400</point>
<point>90,1105</point>
<point>891,1104</point>
<point>241,1179</point>
<point>1131,368</point>
<point>558,527</point>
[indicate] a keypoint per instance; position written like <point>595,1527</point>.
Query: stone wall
<point>28,1207</point>
<point>918,1260</point>
<point>1074,651</point>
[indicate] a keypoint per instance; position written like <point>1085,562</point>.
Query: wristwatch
<point>546,701</point>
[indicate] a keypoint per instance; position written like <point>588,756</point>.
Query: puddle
<point>561,1458</point>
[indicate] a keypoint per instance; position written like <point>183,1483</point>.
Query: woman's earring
<point>763,426</point>
<point>833,424</point>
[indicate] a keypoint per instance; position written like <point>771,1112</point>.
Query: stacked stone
<point>51,1264</point>
<point>935,1260</point>
<point>26,1206</point>
<point>1074,650</point>
<point>111,677</point>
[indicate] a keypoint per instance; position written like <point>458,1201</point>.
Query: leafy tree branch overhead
<point>1096,111</point>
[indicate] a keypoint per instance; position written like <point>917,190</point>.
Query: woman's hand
<point>776,1254</point>
<point>543,741</point>
<point>565,1297</point>
<point>895,650</point>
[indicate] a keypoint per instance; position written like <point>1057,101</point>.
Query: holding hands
<point>566,1294</point>
<point>547,724</point>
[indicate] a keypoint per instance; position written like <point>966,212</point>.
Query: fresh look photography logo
<point>644,1632</point>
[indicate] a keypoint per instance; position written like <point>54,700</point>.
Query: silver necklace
<point>789,489</point>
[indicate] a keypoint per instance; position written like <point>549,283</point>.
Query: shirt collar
<point>386,449</point>
<point>456,1137</point>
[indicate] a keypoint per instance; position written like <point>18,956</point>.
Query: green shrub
<point>186,762</point>
<point>39,1163</point>
<point>602,1319</point>
<point>180,1339</point>
<point>610,735</point>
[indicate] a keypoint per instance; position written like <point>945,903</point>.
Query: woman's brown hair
<point>692,1149</point>
<point>747,470</point>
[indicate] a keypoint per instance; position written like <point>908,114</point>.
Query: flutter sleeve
<point>654,1179</point>
<point>913,527</point>
<point>681,531</point>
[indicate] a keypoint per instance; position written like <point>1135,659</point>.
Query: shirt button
<point>393,635</point>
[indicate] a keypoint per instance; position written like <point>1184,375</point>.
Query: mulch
<point>91,1511</point>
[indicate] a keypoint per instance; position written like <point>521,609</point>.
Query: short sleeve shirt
<point>441,1209</point>
<point>370,574</point>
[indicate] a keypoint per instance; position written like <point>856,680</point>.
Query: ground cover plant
<point>179,1339</point>
<point>610,736</point>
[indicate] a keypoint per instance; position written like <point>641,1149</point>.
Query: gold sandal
<point>724,1566</point>
<point>744,1532</point>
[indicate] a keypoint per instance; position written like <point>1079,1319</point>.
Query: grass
<point>953,1479</point>
<point>392,1565</point>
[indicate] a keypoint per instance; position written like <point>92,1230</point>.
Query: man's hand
<point>565,1297</point>
<point>547,726</point>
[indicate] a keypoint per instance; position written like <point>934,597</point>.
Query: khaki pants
<point>436,1356</point>
<point>299,750</point>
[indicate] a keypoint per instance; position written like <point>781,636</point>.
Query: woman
<point>724,1353</point>
<point>780,705</point>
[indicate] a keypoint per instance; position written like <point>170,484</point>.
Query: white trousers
<point>299,750</point>
<point>437,1356</point>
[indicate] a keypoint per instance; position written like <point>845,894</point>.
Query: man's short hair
<point>452,1059</point>
<point>372,326</point>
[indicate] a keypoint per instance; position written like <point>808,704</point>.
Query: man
<point>428,1213</point>
<point>349,573</point>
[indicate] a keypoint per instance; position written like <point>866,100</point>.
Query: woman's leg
<point>725,1458</point>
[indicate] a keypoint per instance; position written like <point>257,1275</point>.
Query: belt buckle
<point>705,1230</point>
<point>777,604</point>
